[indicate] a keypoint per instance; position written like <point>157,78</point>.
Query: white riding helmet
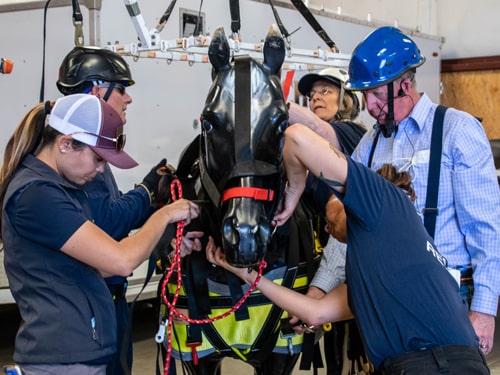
<point>337,76</point>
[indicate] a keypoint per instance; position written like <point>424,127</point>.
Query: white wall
<point>167,98</point>
<point>414,14</point>
<point>471,28</point>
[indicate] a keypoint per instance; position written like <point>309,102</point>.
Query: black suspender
<point>430,211</point>
<point>372,150</point>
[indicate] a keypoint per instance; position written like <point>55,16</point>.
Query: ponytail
<point>28,138</point>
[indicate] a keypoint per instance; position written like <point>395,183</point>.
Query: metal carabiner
<point>79,40</point>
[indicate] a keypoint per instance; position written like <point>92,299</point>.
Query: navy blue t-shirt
<point>399,290</point>
<point>348,133</point>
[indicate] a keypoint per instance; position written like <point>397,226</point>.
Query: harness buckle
<point>288,333</point>
<point>288,338</point>
<point>430,211</point>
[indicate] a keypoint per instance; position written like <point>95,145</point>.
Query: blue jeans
<point>467,291</point>
<point>448,359</point>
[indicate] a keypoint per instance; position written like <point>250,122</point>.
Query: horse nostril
<point>235,224</point>
<point>230,231</point>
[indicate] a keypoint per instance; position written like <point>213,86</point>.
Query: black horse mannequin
<point>234,169</point>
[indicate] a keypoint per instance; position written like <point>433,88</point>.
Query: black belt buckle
<point>466,277</point>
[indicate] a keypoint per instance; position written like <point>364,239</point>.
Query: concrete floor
<point>145,346</point>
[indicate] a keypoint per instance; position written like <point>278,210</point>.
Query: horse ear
<point>219,52</point>
<point>274,50</point>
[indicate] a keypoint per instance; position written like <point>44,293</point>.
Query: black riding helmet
<point>84,65</point>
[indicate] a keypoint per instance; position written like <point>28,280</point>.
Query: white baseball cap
<point>94,122</point>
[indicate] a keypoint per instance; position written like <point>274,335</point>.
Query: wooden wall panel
<point>476,92</point>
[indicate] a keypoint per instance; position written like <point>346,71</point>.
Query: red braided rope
<point>176,191</point>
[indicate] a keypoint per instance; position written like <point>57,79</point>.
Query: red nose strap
<point>248,192</point>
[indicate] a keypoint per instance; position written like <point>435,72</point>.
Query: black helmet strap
<point>390,124</point>
<point>109,91</point>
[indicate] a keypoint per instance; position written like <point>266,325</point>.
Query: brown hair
<point>30,135</point>
<point>401,179</point>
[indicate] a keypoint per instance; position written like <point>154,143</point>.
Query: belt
<point>466,277</point>
<point>118,290</point>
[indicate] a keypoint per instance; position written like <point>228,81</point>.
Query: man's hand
<point>484,325</point>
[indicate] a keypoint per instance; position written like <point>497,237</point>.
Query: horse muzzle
<point>245,245</point>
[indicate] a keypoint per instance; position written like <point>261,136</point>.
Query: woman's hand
<point>300,114</point>
<point>181,210</point>
<point>286,208</point>
<point>190,242</point>
<point>218,258</point>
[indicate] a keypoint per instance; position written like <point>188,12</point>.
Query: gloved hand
<point>152,179</point>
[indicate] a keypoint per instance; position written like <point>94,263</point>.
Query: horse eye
<point>282,127</point>
<point>207,125</point>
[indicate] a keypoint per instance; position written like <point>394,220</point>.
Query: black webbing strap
<point>234,7</point>
<point>280,24</point>
<point>266,340</point>
<point>302,239</point>
<point>197,272</point>
<point>77,23</point>
<point>431,211</point>
<point>242,110</point>
<point>77,14</point>
<point>209,184</point>
<point>166,15</point>
<point>311,20</point>
<point>196,289</point>
<point>236,293</point>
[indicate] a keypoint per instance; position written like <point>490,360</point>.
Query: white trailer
<point>171,83</point>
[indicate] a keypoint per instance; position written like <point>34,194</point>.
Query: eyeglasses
<point>118,86</point>
<point>119,141</point>
<point>321,91</point>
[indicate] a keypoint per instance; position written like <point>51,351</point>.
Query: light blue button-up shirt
<point>468,223</point>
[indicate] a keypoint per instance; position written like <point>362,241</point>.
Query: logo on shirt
<point>441,259</point>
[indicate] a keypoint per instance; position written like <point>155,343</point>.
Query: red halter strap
<point>248,192</point>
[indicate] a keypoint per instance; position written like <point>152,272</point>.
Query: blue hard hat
<point>383,56</point>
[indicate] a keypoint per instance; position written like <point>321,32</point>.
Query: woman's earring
<point>63,151</point>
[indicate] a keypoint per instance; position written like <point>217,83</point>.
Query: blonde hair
<point>348,110</point>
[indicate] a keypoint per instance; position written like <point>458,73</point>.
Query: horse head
<point>243,120</point>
